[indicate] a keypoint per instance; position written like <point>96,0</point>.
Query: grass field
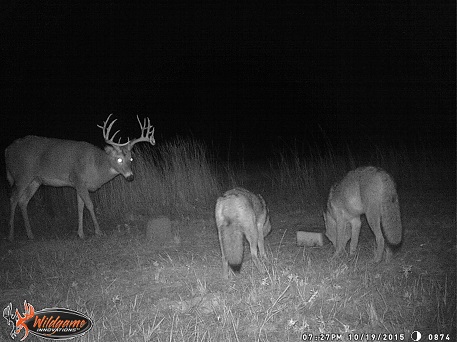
<point>136,290</point>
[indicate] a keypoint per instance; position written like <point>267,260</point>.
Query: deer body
<point>57,162</point>
<point>32,161</point>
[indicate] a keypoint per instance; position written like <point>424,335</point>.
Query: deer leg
<point>80,216</point>
<point>23,200</point>
<point>13,204</point>
<point>84,199</point>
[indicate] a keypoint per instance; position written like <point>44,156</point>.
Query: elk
<point>32,161</point>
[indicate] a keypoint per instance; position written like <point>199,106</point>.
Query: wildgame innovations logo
<point>51,323</point>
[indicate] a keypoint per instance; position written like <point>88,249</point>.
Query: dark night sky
<point>255,73</point>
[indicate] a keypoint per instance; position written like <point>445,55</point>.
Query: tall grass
<point>312,171</point>
<point>174,178</point>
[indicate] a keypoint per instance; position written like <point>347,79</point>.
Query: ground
<point>134,290</point>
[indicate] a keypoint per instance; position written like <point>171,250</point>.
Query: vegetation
<point>176,179</point>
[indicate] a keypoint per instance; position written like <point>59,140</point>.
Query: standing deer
<point>32,161</point>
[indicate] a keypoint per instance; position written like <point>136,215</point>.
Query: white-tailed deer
<point>32,161</point>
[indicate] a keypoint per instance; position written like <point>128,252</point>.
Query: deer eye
<point>131,159</point>
<point>119,160</point>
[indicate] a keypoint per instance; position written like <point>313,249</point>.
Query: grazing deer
<point>32,161</point>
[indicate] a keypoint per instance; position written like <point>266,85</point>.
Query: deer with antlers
<point>32,161</point>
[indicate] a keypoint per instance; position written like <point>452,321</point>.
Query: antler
<point>106,131</point>
<point>147,133</point>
